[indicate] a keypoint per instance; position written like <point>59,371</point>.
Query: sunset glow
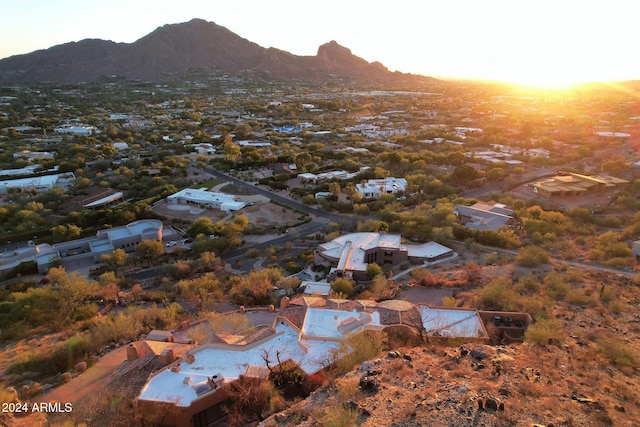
<point>543,43</point>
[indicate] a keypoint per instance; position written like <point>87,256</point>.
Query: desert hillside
<point>582,372</point>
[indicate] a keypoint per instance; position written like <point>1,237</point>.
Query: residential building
<point>350,254</point>
<point>573,184</point>
<point>189,390</point>
<point>482,216</point>
<point>33,155</point>
<point>207,199</point>
<point>106,241</point>
<point>80,130</point>
<point>27,170</point>
<point>374,188</point>
<point>205,149</point>
<point>38,184</point>
<point>258,144</point>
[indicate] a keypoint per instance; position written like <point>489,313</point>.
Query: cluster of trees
<point>217,236</point>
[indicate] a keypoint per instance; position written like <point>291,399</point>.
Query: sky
<point>549,43</point>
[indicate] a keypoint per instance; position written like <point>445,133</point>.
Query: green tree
<point>149,250</point>
<point>114,260</point>
<point>373,271</point>
<point>343,285</point>
<point>464,174</point>
<point>65,232</point>
<point>202,225</point>
<point>231,151</point>
<point>302,160</point>
<point>334,189</point>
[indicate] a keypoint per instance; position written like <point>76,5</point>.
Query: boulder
<point>80,367</point>
<point>491,404</point>
<point>369,384</point>
<point>477,354</point>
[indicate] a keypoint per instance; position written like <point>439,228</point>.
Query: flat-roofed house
<point>573,184</point>
<point>482,216</point>
<point>198,197</point>
<point>351,253</point>
<point>374,188</point>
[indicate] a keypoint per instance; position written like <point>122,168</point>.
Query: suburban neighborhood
<point>218,249</point>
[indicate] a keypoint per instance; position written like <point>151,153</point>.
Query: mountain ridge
<point>177,48</point>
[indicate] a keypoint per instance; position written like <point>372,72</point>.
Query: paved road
<point>282,199</point>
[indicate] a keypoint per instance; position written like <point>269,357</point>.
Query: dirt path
<point>89,382</point>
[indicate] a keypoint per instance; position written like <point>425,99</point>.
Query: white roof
<point>132,229</point>
<point>428,250</point>
<point>358,244</point>
<point>452,322</point>
<point>39,181</point>
<point>226,201</point>
<point>335,324</point>
<point>232,361</point>
<point>316,288</point>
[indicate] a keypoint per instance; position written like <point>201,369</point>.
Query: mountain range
<point>174,49</point>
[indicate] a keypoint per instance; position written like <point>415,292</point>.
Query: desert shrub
<point>531,389</point>
<point>289,379</point>
<point>449,302</point>
<point>545,331</point>
<point>555,286</point>
<point>618,307</point>
<point>249,398</point>
<point>157,317</point>
<point>619,262</point>
<point>579,297</point>
<point>528,284</point>
<point>58,358</point>
<point>498,294</point>
<point>85,311</point>
<point>491,258</point>
<point>101,407</point>
<point>336,416</point>
<point>535,305</point>
<point>343,286</point>
<point>6,396</point>
<point>532,256</point>
<point>619,354</point>
<point>121,327</point>
<point>358,348</point>
<point>346,388</point>
<point>253,253</point>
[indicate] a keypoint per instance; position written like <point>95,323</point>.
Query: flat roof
<point>349,249</point>
<point>452,322</point>
<point>230,362</point>
<point>202,196</point>
<point>428,250</point>
<point>133,228</point>
<point>316,288</point>
<point>104,200</point>
<point>38,181</point>
<point>330,324</point>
